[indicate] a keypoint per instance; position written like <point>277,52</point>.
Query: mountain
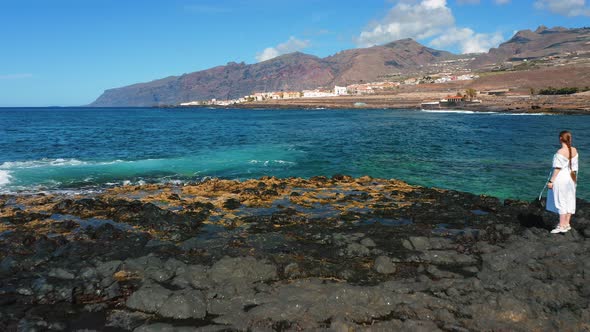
<point>298,71</point>
<point>543,42</point>
<point>295,71</point>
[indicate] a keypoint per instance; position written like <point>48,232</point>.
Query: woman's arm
<point>553,177</point>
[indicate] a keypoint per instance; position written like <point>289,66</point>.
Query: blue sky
<point>67,52</point>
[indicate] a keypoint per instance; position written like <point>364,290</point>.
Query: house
<point>340,90</point>
<point>317,93</point>
<point>455,99</point>
<point>291,94</point>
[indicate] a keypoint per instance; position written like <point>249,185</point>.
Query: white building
<point>340,90</point>
<point>317,94</point>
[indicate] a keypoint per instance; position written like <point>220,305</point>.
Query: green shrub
<point>560,91</point>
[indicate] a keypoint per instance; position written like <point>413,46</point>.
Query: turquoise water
<point>87,149</point>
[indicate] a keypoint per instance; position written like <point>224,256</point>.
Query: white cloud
<point>427,19</point>
<point>564,7</point>
<point>475,2</point>
<point>408,19</point>
<point>291,45</point>
<point>15,76</point>
<point>467,40</point>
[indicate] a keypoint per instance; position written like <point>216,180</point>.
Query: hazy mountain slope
<point>527,44</point>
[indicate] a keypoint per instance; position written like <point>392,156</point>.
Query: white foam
<point>4,178</point>
<point>456,111</point>
<point>59,162</point>
<point>284,162</point>
<point>268,162</point>
<point>525,114</point>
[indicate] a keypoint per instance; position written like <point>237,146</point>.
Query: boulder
<point>184,305</point>
<point>149,298</point>
<point>384,265</point>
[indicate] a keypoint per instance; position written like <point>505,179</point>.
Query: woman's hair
<point>566,137</point>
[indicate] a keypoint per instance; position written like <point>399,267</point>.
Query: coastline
<point>319,253</point>
<point>560,105</point>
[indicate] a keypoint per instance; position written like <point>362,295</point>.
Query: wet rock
<point>384,265</point>
<point>270,192</point>
<point>232,204</point>
<point>192,243</point>
<point>367,242</point>
<point>24,291</point>
<point>64,293</point>
<point>162,327</point>
<point>61,274</point>
<point>505,313</point>
<point>438,273</point>
<point>320,179</point>
<point>342,178</point>
<point>356,249</point>
<point>299,302</point>
<point>405,325</point>
<point>292,270</point>
<point>184,305</point>
<point>41,287</point>
<point>88,273</point>
<point>158,274</point>
<point>149,298</point>
<point>449,258</point>
<point>126,320</point>
<point>422,243</point>
<point>244,269</point>
<point>107,269</point>
<point>112,291</point>
<point>195,276</point>
<point>7,264</point>
<point>154,243</point>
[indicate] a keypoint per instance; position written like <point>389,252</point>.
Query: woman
<point>561,197</point>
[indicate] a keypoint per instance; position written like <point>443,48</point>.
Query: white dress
<point>562,199</point>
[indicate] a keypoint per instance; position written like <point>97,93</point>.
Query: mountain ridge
<point>298,71</point>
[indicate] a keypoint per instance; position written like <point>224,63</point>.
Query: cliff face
<point>297,71</point>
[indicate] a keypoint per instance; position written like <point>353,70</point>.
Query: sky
<point>67,52</point>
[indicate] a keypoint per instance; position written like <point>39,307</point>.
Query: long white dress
<point>562,199</point>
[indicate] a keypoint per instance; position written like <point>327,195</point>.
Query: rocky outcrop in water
<point>325,254</point>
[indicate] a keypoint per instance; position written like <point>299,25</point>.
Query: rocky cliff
<point>297,71</point>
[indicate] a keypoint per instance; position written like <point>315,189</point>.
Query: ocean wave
<point>4,178</point>
<point>456,111</point>
<point>525,114</point>
<point>269,162</point>
<point>52,163</point>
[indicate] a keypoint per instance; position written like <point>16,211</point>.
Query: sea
<point>81,150</point>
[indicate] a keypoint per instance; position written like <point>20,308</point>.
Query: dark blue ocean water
<point>497,154</point>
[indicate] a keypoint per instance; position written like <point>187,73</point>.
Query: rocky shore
<point>559,104</point>
<point>322,254</point>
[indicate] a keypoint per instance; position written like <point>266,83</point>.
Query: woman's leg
<point>563,221</point>
<point>568,219</point>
